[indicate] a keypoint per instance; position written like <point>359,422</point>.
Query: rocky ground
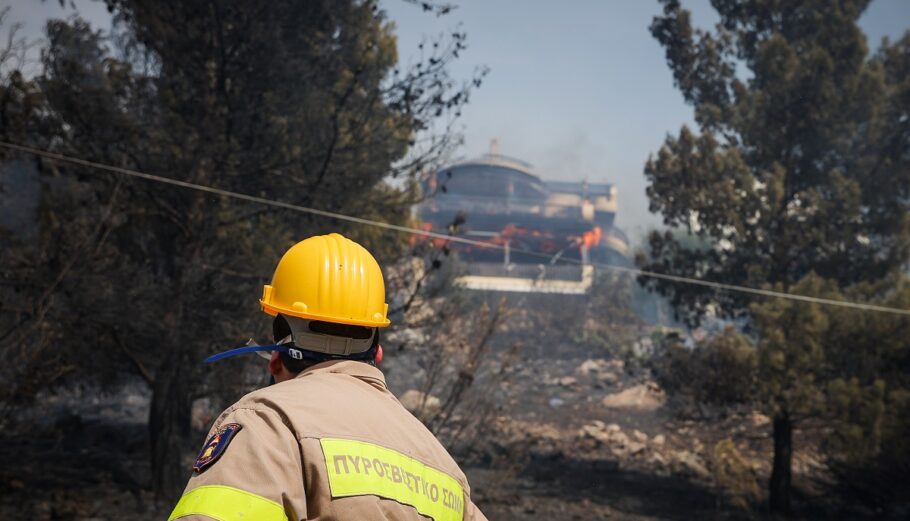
<point>567,437</point>
<point>592,438</point>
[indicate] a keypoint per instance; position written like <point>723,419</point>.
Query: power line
<point>436,235</point>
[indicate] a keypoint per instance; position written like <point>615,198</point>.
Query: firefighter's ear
<point>278,370</point>
<point>276,367</point>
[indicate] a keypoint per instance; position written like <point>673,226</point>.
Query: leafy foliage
<point>868,399</point>
<point>719,371</point>
<point>792,349</point>
<point>800,167</point>
<point>798,178</point>
<point>300,102</point>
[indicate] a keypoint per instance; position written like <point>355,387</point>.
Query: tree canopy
<point>301,102</point>
<point>797,179</point>
<point>800,162</point>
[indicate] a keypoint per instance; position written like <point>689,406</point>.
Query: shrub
<point>718,371</point>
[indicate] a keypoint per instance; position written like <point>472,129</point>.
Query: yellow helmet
<point>329,278</point>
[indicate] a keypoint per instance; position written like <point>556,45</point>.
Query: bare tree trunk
<point>779,488</point>
<point>169,425</point>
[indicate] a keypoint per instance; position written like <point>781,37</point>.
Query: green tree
<point>849,367</point>
<point>799,165</point>
<point>720,370</point>
<point>868,397</point>
<point>294,101</point>
<point>791,362</point>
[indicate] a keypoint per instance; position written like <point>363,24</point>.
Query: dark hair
<point>281,329</point>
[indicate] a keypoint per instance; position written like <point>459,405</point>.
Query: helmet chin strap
<point>280,347</point>
<point>286,345</point>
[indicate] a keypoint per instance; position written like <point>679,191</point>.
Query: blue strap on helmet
<point>292,350</point>
<point>283,348</point>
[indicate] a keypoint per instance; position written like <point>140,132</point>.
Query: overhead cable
<point>436,235</point>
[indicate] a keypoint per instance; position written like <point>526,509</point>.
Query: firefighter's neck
<point>277,369</point>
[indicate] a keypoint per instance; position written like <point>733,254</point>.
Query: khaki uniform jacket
<point>332,443</point>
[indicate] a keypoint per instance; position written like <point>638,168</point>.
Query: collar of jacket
<point>357,369</point>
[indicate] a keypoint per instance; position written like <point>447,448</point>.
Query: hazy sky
<point>577,88</point>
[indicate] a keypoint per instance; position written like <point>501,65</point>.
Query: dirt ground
<point>572,437</point>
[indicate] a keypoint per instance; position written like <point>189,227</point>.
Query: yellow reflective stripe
<point>356,468</point>
<point>227,504</point>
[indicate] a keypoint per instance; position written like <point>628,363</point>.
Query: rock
<point>595,433</point>
<point>608,378</point>
<point>758,419</point>
<point>588,366</point>
<point>641,397</point>
<point>592,367</point>
<point>618,439</point>
<point>618,451</point>
<point>619,443</point>
<point>690,463</point>
<point>567,381</point>
<point>635,447</point>
<point>419,403</point>
<point>640,436</point>
<point>604,371</point>
<point>658,440</point>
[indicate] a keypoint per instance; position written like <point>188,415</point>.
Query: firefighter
<point>327,440</point>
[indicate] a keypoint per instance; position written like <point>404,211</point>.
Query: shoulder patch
<point>216,444</point>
